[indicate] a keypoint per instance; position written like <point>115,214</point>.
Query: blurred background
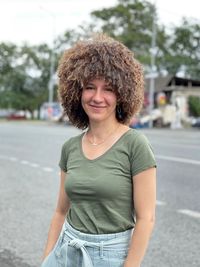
<point>165,38</point>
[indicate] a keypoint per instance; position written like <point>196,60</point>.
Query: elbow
<point>151,221</point>
<point>147,220</point>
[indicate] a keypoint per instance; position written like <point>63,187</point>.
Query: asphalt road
<point>29,179</point>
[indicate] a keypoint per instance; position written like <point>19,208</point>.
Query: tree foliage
<point>25,70</point>
<point>25,75</point>
<point>183,53</point>
<point>194,105</point>
<point>130,21</point>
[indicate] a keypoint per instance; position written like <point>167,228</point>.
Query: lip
<point>96,109</point>
<point>93,106</point>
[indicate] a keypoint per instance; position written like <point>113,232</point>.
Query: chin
<point>96,118</point>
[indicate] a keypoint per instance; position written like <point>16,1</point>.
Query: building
<point>171,95</point>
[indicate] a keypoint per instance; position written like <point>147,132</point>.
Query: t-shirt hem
<point>153,165</point>
<point>62,168</point>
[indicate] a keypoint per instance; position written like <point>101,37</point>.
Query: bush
<point>194,106</point>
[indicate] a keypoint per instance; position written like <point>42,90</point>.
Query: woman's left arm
<point>144,198</point>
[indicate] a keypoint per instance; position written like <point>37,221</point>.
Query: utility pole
<point>153,69</point>
<point>52,57</point>
<point>51,78</point>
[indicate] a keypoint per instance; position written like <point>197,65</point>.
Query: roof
<point>170,82</point>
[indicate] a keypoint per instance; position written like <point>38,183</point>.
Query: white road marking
<point>190,213</point>
<point>25,162</point>
<point>34,165</point>
<point>177,159</point>
<point>160,203</point>
<point>47,169</point>
<point>8,158</point>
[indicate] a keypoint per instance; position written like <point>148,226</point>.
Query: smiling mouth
<point>96,106</point>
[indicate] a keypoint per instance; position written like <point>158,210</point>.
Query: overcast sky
<point>36,21</point>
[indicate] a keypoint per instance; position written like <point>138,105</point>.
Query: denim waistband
<point>81,241</point>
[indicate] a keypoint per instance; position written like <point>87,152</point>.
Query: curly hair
<point>100,57</point>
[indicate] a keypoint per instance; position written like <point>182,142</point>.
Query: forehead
<point>98,80</point>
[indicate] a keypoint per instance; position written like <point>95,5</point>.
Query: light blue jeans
<point>77,249</point>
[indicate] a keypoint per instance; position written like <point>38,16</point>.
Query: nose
<point>98,96</point>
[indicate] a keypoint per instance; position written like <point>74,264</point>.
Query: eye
<point>89,87</point>
<point>109,89</point>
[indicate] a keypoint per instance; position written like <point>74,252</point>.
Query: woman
<point>106,205</point>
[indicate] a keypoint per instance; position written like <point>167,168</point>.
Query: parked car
<point>17,115</point>
<point>196,122</point>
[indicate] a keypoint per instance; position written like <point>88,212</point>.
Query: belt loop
<point>101,249</point>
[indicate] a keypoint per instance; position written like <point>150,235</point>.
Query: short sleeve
<point>142,155</point>
<point>64,157</point>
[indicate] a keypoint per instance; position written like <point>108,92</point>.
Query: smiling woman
<point>105,59</point>
<point>106,204</point>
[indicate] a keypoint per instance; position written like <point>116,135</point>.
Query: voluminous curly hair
<point>100,57</point>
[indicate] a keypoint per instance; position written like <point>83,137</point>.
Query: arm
<point>144,189</point>
<point>58,217</point>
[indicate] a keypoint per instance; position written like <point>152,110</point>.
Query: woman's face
<point>99,100</point>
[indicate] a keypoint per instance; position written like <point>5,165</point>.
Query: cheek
<point>113,101</point>
<point>85,96</point>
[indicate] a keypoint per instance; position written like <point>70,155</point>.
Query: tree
<point>130,21</point>
<point>182,54</point>
<point>25,70</point>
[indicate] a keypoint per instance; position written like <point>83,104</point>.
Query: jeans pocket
<point>50,260</point>
<point>59,246</point>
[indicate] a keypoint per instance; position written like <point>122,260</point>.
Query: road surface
<point>29,179</point>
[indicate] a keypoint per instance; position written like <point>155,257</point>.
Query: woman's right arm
<point>58,217</point>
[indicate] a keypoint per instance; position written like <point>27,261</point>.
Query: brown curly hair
<point>100,57</point>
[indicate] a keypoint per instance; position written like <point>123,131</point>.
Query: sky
<point>39,21</point>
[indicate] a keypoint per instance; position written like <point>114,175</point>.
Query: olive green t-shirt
<point>101,190</point>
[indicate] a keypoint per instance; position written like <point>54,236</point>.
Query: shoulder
<point>140,151</point>
<point>138,144</point>
<point>71,141</point>
<point>67,148</point>
<point>134,137</point>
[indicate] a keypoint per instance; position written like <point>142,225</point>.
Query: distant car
<point>17,115</point>
<point>196,123</point>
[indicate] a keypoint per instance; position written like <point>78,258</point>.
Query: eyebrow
<point>91,83</point>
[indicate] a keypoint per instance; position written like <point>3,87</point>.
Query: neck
<point>98,134</point>
<point>101,130</point>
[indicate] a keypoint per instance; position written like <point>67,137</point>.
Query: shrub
<point>194,106</point>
